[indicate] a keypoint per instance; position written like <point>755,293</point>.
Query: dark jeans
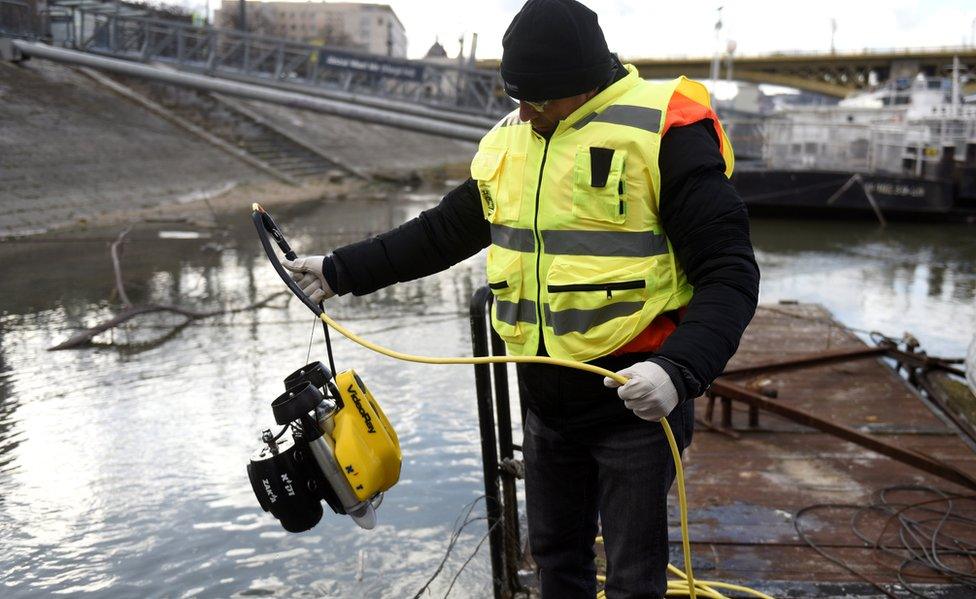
<point>620,471</point>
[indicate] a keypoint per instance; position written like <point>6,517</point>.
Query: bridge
<point>831,74</point>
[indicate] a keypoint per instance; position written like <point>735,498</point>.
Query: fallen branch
<point>85,337</point>
<point>116,266</point>
<point>129,311</point>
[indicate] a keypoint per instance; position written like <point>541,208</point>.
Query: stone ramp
<point>71,151</point>
<point>373,148</point>
<point>235,129</point>
<point>74,153</point>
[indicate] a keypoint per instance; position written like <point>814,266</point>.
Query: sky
<point>647,28</point>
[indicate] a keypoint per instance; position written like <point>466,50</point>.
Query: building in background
<point>372,28</point>
<point>437,52</point>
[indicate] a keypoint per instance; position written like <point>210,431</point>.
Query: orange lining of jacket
<point>682,111</point>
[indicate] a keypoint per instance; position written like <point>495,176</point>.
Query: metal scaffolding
<point>109,29</point>
<point>253,92</point>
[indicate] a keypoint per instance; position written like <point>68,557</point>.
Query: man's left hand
<point>307,272</point>
<point>649,392</point>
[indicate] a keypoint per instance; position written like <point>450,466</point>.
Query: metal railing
<point>500,467</point>
<point>281,62</point>
<point>357,111</point>
<point>913,148</point>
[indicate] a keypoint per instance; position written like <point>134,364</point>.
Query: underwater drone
<point>341,448</point>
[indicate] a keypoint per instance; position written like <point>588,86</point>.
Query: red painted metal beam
<point>906,456</point>
<point>808,360</point>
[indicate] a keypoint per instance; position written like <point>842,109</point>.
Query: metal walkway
<point>348,110</point>
<point>459,92</point>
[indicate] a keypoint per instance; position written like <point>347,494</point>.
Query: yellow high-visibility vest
<point>577,251</point>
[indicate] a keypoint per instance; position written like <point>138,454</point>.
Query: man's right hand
<point>307,272</point>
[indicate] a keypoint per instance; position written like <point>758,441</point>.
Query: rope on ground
<point>817,319</point>
<point>928,539</point>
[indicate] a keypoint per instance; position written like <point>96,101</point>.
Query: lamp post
<point>730,47</point>
<point>716,57</point>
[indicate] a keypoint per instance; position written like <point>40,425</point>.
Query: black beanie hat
<point>554,49</point>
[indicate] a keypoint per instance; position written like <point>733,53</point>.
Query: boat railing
<point>910,149</point>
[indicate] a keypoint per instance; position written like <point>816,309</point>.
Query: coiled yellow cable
<point>686,585</point>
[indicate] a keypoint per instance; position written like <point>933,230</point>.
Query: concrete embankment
<point>375,148</point>
<point>73,153</point>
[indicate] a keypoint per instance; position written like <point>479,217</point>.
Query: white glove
<point>649,392</point>
<point>307,272</point>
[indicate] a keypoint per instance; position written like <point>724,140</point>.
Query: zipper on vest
<point>538,247</point>
<point>608,287</point>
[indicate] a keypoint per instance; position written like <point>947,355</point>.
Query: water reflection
<point>906,277</point>
<point>124,470</point>
<point>129,474</point>
<point>8,405</point>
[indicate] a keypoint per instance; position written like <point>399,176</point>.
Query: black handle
<point>272,228</point>
<point>267,228</point>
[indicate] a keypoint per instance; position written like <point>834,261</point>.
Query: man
<point>615,238</point>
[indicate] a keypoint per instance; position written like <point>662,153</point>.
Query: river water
<point>122,467</point>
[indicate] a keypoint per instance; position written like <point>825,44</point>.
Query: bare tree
<point>331,34</point>
<point>256,20</point>
<point>162,10</point>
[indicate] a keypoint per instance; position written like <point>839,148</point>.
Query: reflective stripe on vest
<point>582,243</point>
<point>512,313</point>
<point>648,119</point>
<point>578,253</point>
<point>519,240</point>
<point>576,320</point>
<point>605,243</point>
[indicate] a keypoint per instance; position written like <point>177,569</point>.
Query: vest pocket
<point>594,304</point>
<point>499,176</point>
<point>509,309</point>
<point>609,288</point>
<point>602,203</point>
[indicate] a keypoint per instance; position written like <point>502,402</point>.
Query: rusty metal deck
<point>746,483</point>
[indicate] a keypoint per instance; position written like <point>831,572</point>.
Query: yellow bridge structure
<point>834,74</point>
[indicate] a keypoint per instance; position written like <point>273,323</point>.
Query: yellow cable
<point>687,585</point>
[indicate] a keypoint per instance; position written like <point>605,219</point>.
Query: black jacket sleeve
<point>708,226</point>
<point>440,237</point>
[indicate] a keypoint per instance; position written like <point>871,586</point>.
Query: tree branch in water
<point>129,311</point>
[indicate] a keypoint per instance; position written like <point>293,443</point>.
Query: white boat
<point>905,149</point>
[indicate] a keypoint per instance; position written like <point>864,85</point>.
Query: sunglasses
<point>536,106</point>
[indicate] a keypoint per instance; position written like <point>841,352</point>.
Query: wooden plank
<point>744,493</point>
